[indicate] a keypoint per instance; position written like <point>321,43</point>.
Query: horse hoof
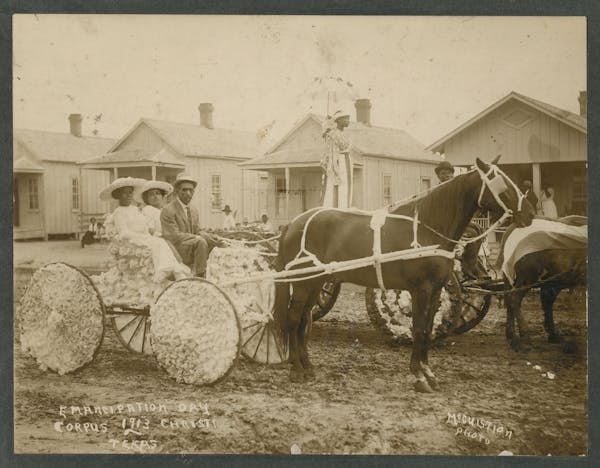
<point>519,345</point>
<point>296,376</point>
<point>554,338</point>
<point>309,373</point>
<point>422,386</point>
<point>433,383</point>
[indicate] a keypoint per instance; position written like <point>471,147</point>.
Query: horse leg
<point>296,332</point>
<point>420,298</point>
<point>513,309</point>
<point>431,311</point>
<point>548,294</point>
<point>303,333</point>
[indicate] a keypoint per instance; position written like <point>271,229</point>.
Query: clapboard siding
<point>541,139</point>
<point>406,179</point>
<point>142,138</point>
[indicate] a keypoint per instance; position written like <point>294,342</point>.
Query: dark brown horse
<point>335,235</point>
<point>552,270</point>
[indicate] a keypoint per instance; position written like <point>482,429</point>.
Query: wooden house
<point>537,142</point>
<point>159,150</point>
<point>50,190</point>
<point>389,165</point>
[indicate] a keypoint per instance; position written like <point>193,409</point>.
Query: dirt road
<point>361,401</point>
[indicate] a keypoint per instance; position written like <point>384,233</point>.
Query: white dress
<point>229,222</point>
<point>130,224</point>
<point>152,215</point>
<point>548,206</point>
<point>338,167</point>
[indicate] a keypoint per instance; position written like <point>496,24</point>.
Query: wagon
<point>69,294</point>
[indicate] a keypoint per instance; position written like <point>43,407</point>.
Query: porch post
<point>153,172</point>
<point>287,194</point>
<point>536,182</point>
<point>115,173</point>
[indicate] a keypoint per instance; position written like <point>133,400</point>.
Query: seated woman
<point>130,224</point>
<point>153,194</point>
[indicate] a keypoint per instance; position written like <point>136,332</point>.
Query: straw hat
<point>149,185</point>
<point>106,193</point>
<point>181,177</point>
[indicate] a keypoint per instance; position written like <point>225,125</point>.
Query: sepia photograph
<point>338,235</point>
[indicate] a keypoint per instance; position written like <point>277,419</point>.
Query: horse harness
<point>492,179</point>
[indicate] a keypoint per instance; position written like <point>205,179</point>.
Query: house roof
<point>196,140</point>
<point>24,164</point>
<point>61,147</point>
<point>163,157</point>
<point>569,118</point>
<point>367,140</point>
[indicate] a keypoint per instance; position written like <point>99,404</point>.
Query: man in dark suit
<point>181,226</point>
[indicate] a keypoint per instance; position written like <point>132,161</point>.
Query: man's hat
<point>227,209</point>
<point>106,193</point>
<point>181,177</point>
<point>165,187</point>
<point>444,165</point>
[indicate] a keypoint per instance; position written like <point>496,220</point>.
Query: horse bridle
<point>496,184</point>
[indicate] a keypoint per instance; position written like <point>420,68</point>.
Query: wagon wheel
<point>261,342</point>
<point>62,318</point>
<point>466,311</point>
<point>326,300</point>
<point>132,327</point>
<point>471,307</point>
<point>196,332</point>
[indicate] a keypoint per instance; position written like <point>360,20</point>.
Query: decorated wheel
<point>459,311</point>
<point>196,333</point>
<point>327,297</point>
<point>132,327</point>
<point>261,341</point>
<point>471,307</point>
<point>61,318</point>
<point>391,313</point>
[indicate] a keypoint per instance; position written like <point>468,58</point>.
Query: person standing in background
<point>547,201</point>
<point>532,198</point>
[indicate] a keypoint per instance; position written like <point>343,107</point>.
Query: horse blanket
<point>543,234</point>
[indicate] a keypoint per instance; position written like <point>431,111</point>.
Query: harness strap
<point>377,221</point>
<point>415,243</point>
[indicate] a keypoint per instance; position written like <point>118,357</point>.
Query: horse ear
<point>496,159</point>
<point>481,165</point>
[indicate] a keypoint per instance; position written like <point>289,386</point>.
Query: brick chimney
<point>75,123</point>
<point>206,114</point>
<point>363,111</point>
<point>583,103</point>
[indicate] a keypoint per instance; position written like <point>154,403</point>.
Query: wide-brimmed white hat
<point>339,114</point>
<point>106,193</point>
<point>181,177</point>
<point>149,185</point>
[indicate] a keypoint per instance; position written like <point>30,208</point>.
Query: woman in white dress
<point>547,201</point>
<point>153,194</point>
<point>336,162</point>
<point>130,224</point>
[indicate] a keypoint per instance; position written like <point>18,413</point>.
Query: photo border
<point>588,8</point>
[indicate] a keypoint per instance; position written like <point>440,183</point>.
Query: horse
<point>553,270</point>
<point>333,235</point>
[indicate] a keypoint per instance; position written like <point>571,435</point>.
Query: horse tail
<point>282,295</point>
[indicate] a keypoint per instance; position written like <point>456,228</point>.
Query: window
<point>75,193</point>
<point>387,189</point>
<point>579,196</point>
<point>425,184</point>
<point>34,203</point>
<point>216,192</point>
<point>279,195</point>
